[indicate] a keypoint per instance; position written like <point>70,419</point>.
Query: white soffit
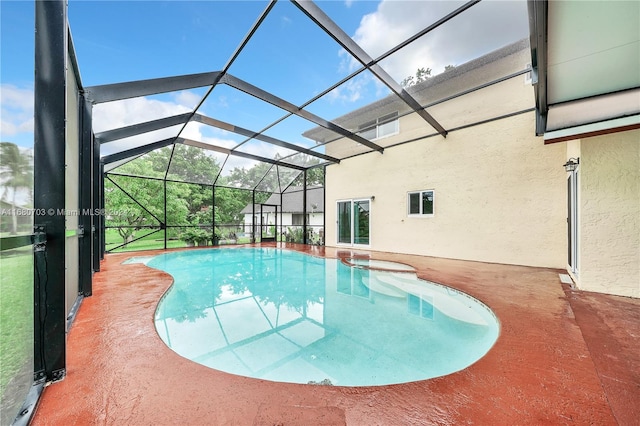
<point>588,130</point>
<point>593,48</point>
<point>593,110</point>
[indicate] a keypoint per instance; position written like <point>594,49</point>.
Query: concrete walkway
<point>563,357</point>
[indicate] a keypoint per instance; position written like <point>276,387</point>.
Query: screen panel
<point>72,190</point>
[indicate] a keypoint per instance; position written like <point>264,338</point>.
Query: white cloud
<point>10,128</point>
<point>14,97</point>
<point>223,102</point>
<point>188,99</point>
<point>237,162</point>
<point>16,111</point>
<point>138,140</point>
<point>195,131</point>
<point>351,91</point>
<point>117,114</point>
<point>113,115</point>
<point>482,28</point>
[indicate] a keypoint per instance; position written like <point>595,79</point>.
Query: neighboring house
<point>491,191</point>
<point>290,211</point>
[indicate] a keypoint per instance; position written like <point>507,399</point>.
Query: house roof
<point>292,201</point>
<point>430,91</point>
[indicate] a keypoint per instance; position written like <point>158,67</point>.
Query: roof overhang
<point>586,67</point>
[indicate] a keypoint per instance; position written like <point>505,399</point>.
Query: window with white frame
<point>384,126</point>
<point>420,203</point>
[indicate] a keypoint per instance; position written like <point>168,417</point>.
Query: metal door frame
<point>263,226</point>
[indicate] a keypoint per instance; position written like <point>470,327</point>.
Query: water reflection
<point>286,316</point>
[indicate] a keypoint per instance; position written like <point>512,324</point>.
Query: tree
<point>191,164</point>
<point>315,176</point>
<point>148,208</point>
<point>181,163</point>
<point>421,75</point>
<point>242,177</point>
<point>184,163</point>
<point>237,193</point>
<point>229,205</point>
<point>15,173</point>
<point>189,203</point>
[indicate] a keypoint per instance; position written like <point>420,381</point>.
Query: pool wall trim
<point>347,261</point>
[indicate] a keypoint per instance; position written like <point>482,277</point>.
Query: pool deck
<point>563,357</point>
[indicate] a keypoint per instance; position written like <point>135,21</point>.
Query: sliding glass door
<point>354,222</point>
<point>344,222</point>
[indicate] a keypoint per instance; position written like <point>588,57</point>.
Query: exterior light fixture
<point>571,164</point>
<point>373,197</point>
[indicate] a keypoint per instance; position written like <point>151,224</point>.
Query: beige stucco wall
<point>512,95</point>
<point>500,195</point>
<point>609,215</point>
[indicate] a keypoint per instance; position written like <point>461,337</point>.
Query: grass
<point>16,329</point>
<point>153,241</point>
<point>150,242</point>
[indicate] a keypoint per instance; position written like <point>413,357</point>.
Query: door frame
<point>352,202</point>
<point>263,226</point>
<point>573,240</point>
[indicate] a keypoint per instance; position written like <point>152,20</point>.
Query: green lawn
<point>153,241</point>
<point>16,329</point>
<point>150,242</point>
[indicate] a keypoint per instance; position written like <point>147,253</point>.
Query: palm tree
<point>15,174</point>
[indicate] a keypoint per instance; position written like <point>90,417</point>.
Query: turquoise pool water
<point>285,316</point>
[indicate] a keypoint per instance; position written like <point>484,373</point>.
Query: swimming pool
<point>286,316</point>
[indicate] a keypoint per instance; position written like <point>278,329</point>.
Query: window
<point>369,130</point>
<point>297,219</point>
<point>421,203</point>
<point>384,126</point>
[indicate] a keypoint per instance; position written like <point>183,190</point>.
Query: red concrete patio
<point>563,357</point>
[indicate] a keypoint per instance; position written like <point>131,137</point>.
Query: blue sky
<point>187,37</point>
<point>290,57</point>
<point>17,71</point>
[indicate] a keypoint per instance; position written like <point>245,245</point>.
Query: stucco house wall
<point>500,192</point>
<point>500,195</point>
<point>609,213</point>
